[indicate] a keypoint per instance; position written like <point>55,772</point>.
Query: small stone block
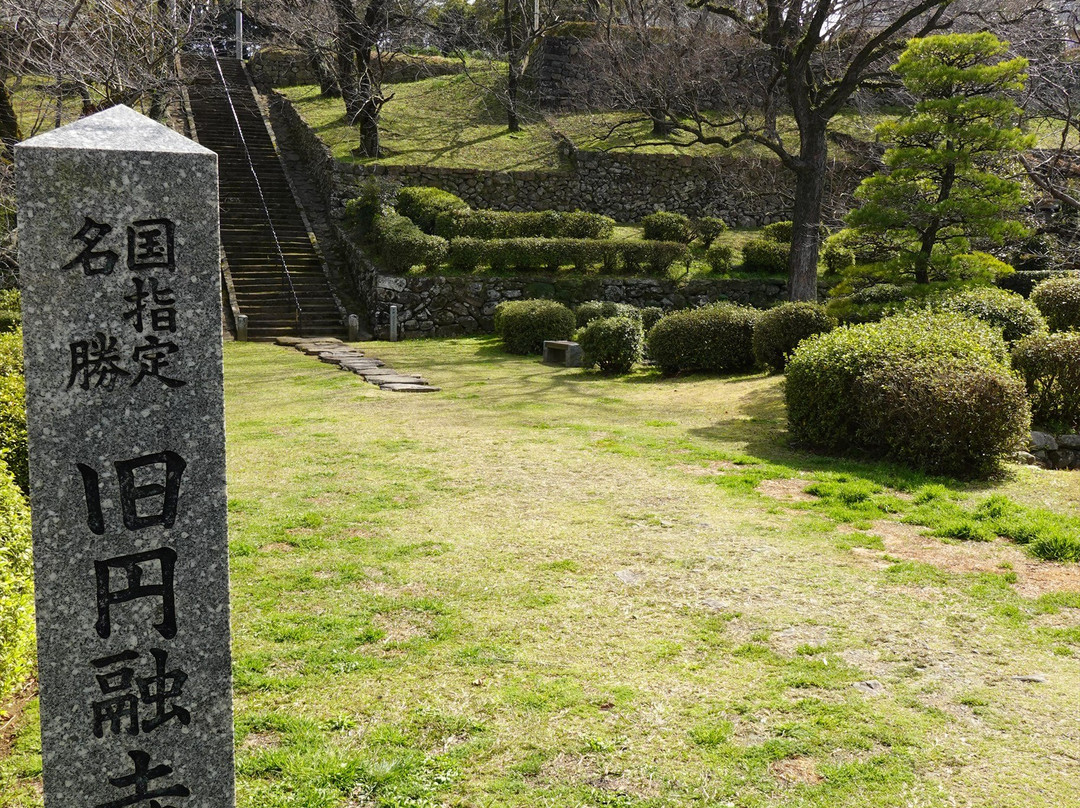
<point>410,388</point>
<point>562,352</point>
<point>288,341</point>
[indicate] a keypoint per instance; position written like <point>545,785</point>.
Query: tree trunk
<point>930,235</point>
<point>512,122</point>
<point>661,127</point>
<point>9,122</point>
<point>806,215</point>
<point>348,29</point>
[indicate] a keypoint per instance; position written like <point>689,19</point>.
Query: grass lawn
<point>543,587</point>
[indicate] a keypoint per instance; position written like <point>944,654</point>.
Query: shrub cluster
<point>665,226</point>
<point>592,309</point>
<point>403,244</point>
<point>766,256</point>
<point>423,205</point>
<point>612,343</point>
<point>525,254</point>
<point>1059,301</point>
<point>874,386</point>
<point>523,325</point>
<point>1015,316</point>
<point>780,330</point>
<point>491,224</point>
<point>716,338</point>
<point>721,258</point>
<point>1050,365</point>
<point>708,228</point>
<point>376,194</point>
<point>16,585</point>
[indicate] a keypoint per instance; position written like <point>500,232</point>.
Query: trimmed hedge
<point>529,254</point>
<point>423,205</point>
<point>708,228</point>
<point>1059,301</point>
<point>523,325</point>
<point>376,194</point>
<point>403,244</point>
<point>16,586</point>
<point>492,224</point>
<point>612,343</point>
<point>650,316</point>
<point>945,415</point>
<point>780,330</point>
<point>766,256</point>
<point>1050,366</point>
<point>593,309</point>
<point>721,258</point>
<point>716,338</point>
<point>665,226</point>
<point>778,231</point>
<point>827,377</point>
<point>1015,316</point>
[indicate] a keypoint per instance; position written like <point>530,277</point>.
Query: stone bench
<point>562,352</point>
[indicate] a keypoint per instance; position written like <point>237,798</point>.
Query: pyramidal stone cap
<point>118,128</point>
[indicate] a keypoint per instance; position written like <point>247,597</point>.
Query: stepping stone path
<point>335,352</point>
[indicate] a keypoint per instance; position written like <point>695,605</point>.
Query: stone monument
<point>118,255</point>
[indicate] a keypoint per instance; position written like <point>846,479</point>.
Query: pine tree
<point>949,161</point>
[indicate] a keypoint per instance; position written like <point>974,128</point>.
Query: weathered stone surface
<point>1068,441</point>
<point>1042,442</point>
<point>562,352</point>
<point>410,388</point>
<point>399,378</point>
<point>118,251</point>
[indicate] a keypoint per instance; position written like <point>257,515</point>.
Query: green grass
<point>426,609</point>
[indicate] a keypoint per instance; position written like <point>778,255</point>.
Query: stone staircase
<point>277,276</point>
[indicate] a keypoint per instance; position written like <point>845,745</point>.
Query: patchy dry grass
<point>544,587</point>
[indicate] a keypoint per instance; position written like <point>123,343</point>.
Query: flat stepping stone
<point>360,364</point>
<point>410,388</point>
<point>397,378</point>
<point>315,350</point>
<point>288,341</point>
<point>335,358</point>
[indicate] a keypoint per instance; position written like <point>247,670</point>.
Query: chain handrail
<point>285,274</point>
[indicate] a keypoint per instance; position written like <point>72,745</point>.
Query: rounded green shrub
<point>1050,366</point>
<point>10,300</point>
<point>523,325</point>
<point>718,338</point>
<point>721,258</point>
<point>1059,301</point>
<point>423,205</point>
<point>836,257</point>
<point>403,245</point>
<point>708,228</point>
<point>1015,316</point>
<point>593,309</point>
<point>612,343</point>
<point>650,316</point>
<point>778,231</point>
<point>664,226</point>
<point>1024,282</point>
<point>16,586</point>
<point>825,410</point>
<point>945,415</point>
<point>765,257</point>
<point>780,330</point>
<point>375,195</point>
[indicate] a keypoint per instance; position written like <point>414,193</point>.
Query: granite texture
<point>118,248</point>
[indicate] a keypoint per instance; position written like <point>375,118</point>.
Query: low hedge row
<point>423,205</point>
<point>594,309</point>
<point>491,224</point>
<point>932,389</point>
<point>530,254</point>
<point>403,245</point>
